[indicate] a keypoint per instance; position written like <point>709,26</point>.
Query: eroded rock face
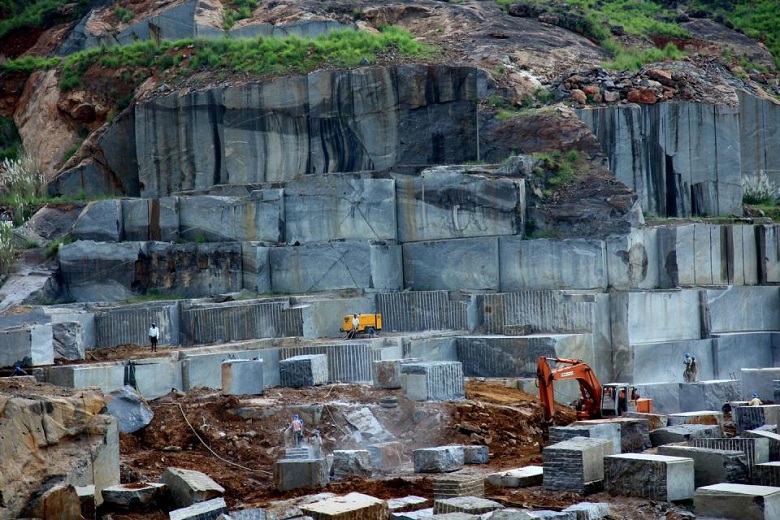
<point>52,440</point>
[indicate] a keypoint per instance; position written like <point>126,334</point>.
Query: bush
<point>8,250</point>
<point>759,189</point>
<point>21,181</point>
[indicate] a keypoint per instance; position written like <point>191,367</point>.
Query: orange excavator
<point>597,401</point>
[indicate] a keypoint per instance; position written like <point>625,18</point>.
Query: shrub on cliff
<point>759,189</point>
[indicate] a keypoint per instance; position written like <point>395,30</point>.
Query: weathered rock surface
<point>130,409</point>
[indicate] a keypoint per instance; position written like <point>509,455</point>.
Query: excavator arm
<point>590,388</point>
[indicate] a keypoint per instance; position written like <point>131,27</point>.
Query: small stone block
<point>242,377</point>
<point>350,463</point>
<point>386,456</point>
<point>304,370</point>
<point>656,477</point>
<point>413,515</point>
<point>682,433</point>
<point>187,487</point>
<point>589,510</point>
<point>387,374</point>
<point>354,506</point>
<point>475,454</point>
<point>711,466</point>
<point>458,485</point>
<point>295,474</point>
<point>469,505</point>
<point>208,510</point>
<point>738,502</point>
<point>254,513</point>
<point>132,496</point>
<point>410,503</point>
<point>433,380</point>
<point>575,464</point>
<point>440,459</point>
<point>520,477</point>
<point>593,429</point>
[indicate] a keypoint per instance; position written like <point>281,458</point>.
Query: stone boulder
<point>130,409</point>
<point>101,221</point>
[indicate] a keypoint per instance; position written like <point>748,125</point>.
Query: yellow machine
<point>367,323</point>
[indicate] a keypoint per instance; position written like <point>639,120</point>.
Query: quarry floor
<point>203,430</point>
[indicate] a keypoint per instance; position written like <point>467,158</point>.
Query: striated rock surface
<point>52,440</point>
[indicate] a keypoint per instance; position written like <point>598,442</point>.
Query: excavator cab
<point>619,398</point>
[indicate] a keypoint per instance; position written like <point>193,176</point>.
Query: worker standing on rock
<point>691,369</point>
<point>154,332</point>
<point>316,444</point>
<point>755,401</point>
<point>355,326</point>
<point>296,425</point>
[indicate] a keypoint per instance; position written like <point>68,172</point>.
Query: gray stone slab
<point>101,221</point>
<point>734,351</point>
<point>208,510</point>
<point>683,432</point>
<point>296,474</point>
<point>663,361</point>
<point>350,361</point>
<point>665,396</point>
<point>452,265</point>
<point>221,219</point>
<point>421,311</point>
<point>132,497</point>
<point>157,378</point>
<point>552,264</point>
<point>712,466</point>
<point>412,515</point>
<point>772,437</point>
<point>203,369</point>
<point>475,454</point>
<point>68,340</point>
<point>386,456</point>
<point>520,477</point>
<point>633,260</point>
<point>440,459</point>
<point>106,376</point>
<point>609,431</point>
<point>304,370</point>
<point>352,505</point>
<point>575,464</point>
<point>187,487</point>
<point>743,308</point>
<point>656,477</point>
<point>767,474</point>
<point>408,503</point>
<point>433,380</point>
<point>737,501</point>
<point>211,322</point>
<point>708,395</point>
<point>470,505</point>
<point>336,265</point>
<point>129,324</point>
<point>80,261</point>
<point>27,345</point>
<point>242,377</point>
<point>458,485</point>
<point>756,450</point>
<point>256,267</point>
<point>443,203</point>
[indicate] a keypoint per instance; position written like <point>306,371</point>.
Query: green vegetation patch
<point>31,13</point>
<point>10,141</point>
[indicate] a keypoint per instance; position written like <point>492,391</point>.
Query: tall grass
<point>8,251</point>
<point>21,181</point>
<point>629,59</point>
<point>759,189</point>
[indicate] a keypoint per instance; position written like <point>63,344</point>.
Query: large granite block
<point>606,430</point>
<point>575,464</point>
<point>350,463</point>
<point>435,380</point>
<point>348,362</point>
<point>773,438</point>
<point>336,265</point>
<point>767,474</point>
<point>452,265</point>
<point>222,219</point>
<point>129,324</point>
<point>708,395</point>
<point>348,207</point>
<point>353,506</point>
<point>100,221</point>
<point>734,351</point>
<point>106,376</point>
<point>708,417</point>
<point>444,204</point>
<point>759,380</point>
<point>386,456</point>
<point>656,477</point>
<point>665,396</point>
<point>743,309</point>
<point>156,379</point>
<point>552,264</point>
<point>756,450</point>
<point>737,501</point>
<point>475,454</point>
<point>27,345</point>
<point>187,487</point>
<point>256,267</point>
<point>633,260</point>
<point>97,271</point>
<point>242,377</point>
<point>301,473</point>
<point>306,370</point>
<point>422,311</point>
<point>151,219</point>
<point>440,459</point>
<point>712,466</point>
<point>752,417</point>
<point>682,433</point>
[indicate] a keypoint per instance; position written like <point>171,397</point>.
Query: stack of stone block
<point>737,502</point>
<point>434,380</point>
<point>711,466</point>
<point>305,370</point>
<point>756,450</point>
<point>441,459</point>
<point>575,464</point>
<point>468,505</point>
<point>656,477</point>
<point>458,485</point>
<point>354,506</point>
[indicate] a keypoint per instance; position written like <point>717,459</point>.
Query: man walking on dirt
<point>154,332</point>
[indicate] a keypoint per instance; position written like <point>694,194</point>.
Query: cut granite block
<point>634,433</point>
<point>458,485</point>
<point>387,374</point>
<point>208,510</point>
<point>350,463</point>
<point>520,477</point>
<point>475,454</point>
<point>187,487</point>
<point>386,456</point>
<point>440,459</point>
<point>752,417</point>
<point>594,429</point>
<point>708,417</point>
<point>575,464</point>
<point>413,515</point>
<point>774,441</point>
<point>305,370</point>
<point>767,474</point>
<point>682,433</point>
<point>354,506</point>
<point>656,477</point>
<point>711,466</point>
<point>590,510</point>
<point>755,449</point>
<point>468,505</point>
<point>294,474</point>
<point>409,503</point>
<point>708,395</point>
<point>242,377</point>
<point>738,502</point>
<point>654,420</point>
<point>433,380</point>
